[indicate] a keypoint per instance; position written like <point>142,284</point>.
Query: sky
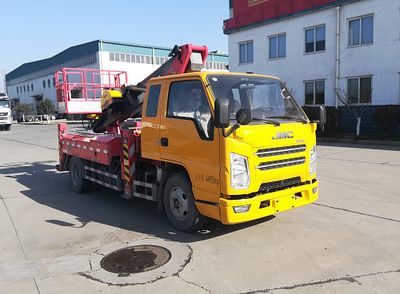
<point>33,30</point>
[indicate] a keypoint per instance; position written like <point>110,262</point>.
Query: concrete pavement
<point>347,242</point>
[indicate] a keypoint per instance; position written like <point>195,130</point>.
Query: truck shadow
<point>48,187</point>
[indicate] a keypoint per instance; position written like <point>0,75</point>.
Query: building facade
<point>320,46</point>
<point>34,81</point>
<point>2,81</point>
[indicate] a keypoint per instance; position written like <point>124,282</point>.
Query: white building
<point>2,81</point>
<point>317,48</point>
<point>34,81</point>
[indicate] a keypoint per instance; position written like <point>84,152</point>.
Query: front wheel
<point>7,127</point>
<point>180,206</point>
<point>77,176</point>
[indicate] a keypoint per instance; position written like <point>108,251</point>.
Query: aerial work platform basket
<point>79,90</point>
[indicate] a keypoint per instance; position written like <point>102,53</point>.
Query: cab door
<point>188,137</point>
<point>150,147</point>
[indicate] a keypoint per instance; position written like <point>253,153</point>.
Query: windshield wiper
<point>268,121</point>
<point>292,118</point>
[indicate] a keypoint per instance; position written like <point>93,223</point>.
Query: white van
<point>5,112</point>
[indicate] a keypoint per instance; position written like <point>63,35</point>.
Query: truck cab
<point>5,112</point>
<point>233,147</point>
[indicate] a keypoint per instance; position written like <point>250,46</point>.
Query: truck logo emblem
<point>283,135</point>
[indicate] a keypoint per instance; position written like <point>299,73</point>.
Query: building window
<point>315,92</point>
<point>128,58</point>
<point>27,88</point>
<point>315,39</point>
<point>152,101</point>
<point>31,87</point>
<point>54,82</point>
<point>246,52</point>
<point>359,90</point>
<point>112,57</point>
<point>17,90</point>
<point>44,84</point>
<point>361,30</point>
<point>123,59</point>
<point>48,83</point>
<point>117,57</point>
<point>277,46</point>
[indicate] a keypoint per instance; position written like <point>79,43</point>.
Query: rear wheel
<point>179,204</point>
<point>77,176</point>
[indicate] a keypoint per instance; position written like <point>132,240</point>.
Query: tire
<point>7,127</point>
<point>179,204</point>
<point>76,176</point>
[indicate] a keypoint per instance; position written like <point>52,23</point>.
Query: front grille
<point>280,185</point>
<point>280,150</point>
<point>281,163</point>
<point>3,113</point>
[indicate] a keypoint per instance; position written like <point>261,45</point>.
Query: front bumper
<point>268,204</point>
<point>5,120</point>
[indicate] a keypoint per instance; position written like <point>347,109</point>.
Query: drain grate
<point>135,259</point>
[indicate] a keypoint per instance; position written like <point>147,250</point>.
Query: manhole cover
<point>135,259</point>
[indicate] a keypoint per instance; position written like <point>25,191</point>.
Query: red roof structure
<point>250,13</point>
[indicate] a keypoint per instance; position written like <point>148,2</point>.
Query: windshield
<point>266,98</point>
<point>4,104</point>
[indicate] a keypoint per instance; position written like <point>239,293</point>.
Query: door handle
<point>164,142</point>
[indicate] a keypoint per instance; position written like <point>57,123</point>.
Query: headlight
<point>240,178</point>
<point>313,160</point>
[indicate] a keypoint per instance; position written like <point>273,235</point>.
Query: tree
<point>352,103</point>
<point>45,107</point>
<point>21,108</point>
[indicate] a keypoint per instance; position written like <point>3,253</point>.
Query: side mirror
<point>222,119</point>
<point>243,116</point>
<point>322,117</point>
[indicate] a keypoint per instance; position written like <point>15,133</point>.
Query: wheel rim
<point>178,203</point>
<point>75,175</point>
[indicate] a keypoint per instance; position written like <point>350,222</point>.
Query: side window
<point>187,100</point>
<point>152,101</point>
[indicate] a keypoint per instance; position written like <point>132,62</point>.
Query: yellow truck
<point>233,147</point>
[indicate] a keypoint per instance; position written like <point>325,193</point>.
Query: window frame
<point>200,131</point>
<point>360,18</point>
<point>359,88</point>
<point>314,92</point>
<point>277,46</point>
<point>153,114</point>
<point>314,28</point>
<point>246,43</point>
